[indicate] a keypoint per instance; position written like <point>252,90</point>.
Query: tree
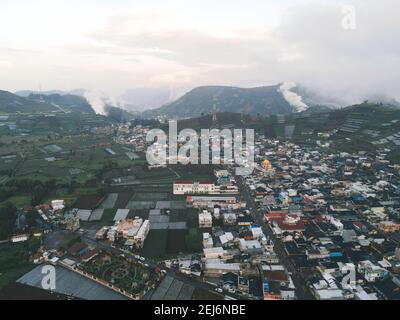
<point>31,217</point>
<point>7,220</point>
<point>39,192</point>
<point>193,240</point>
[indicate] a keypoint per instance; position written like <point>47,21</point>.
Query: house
<point>244,285</point>
<point>72,222</point>
<point>291,224</point>
<point>221,173</point>
<point>371,271</point>
<point>214,253</point>
<point>136,230</point>
<point>227,202</point>
<point>226,238</point>
<point>58,205</point>
<point>205,220</point>
<point>389,226</point>
<point>101,234</point>
<point>218,268</point>
<point>271,290</point>
<point>256,231</point>
<point>229,281</point>
<point>229,218</point>
<point>207,241</point>
<point>250,246</point>
<point>245,220</point>
<point>142,234</point>
<point>19,238</point>
<point>183,187</point>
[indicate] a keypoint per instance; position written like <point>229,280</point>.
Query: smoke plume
<point>96,101</point>
<point>291,97</point>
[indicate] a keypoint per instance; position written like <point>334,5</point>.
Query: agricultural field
<point>155,245</point>
<point>62,152</point>
<point>14,260</point>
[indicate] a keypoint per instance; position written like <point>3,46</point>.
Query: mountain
<point>67,102</point>
<point>120,115</point>
<point>55,103</point>
<point>27,93</point>
<point>270,100</point>
<point>12,103</point>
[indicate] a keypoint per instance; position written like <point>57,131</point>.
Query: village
<point>306,224</point>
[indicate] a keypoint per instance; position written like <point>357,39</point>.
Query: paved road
<point>302,290</point>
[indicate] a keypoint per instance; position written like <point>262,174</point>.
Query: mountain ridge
<point>264,100</point>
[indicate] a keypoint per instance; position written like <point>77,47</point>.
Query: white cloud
<point>152,44</point>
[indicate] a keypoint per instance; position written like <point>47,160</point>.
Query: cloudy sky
<point>115,45</point>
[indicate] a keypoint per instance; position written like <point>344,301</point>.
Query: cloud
<point>177,47</point>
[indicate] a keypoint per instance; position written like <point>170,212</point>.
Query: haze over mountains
<point>284,98</point>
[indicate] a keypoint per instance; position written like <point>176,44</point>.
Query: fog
<point>348,50</point>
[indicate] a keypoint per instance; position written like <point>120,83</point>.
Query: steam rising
<point>96,101</point>
<point>292,98</point>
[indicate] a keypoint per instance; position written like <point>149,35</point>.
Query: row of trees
<point>40,190</point>
<point>7,220</point>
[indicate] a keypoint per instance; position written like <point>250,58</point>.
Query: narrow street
<point>302,289</point>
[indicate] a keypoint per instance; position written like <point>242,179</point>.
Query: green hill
<point>205,100</point>
<point>11,103</point>
<point>69,102</point>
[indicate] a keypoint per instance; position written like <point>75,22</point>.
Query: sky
<point>349,49</point>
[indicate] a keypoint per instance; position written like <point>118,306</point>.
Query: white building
<point>214,253</point>
<point>205,219</point>
<point>371,271</point>
<point>229,218</point>
<point>257,232</point>
<point>135,231</point>
<point>101,234</point>
<point>190,187</point>
<point>251,246</point>
<point>227,202</point>
<point>19,238</point>
<point>219,268</point>
<point>141,235</point>
<point>226,238</point>
<point>217,213</point>
<point>112,234</point>
<point>221,173</point>
<point>207,241</point>
<point>58,205</point>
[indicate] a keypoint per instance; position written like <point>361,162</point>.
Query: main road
<point>303,292</point>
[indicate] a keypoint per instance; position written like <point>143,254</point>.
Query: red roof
<point>358,224</point>
<point>89,254</point>
<point>77,247</point>
<point>276,275</point>
<point>276,216</point>
<point>299,226</point>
